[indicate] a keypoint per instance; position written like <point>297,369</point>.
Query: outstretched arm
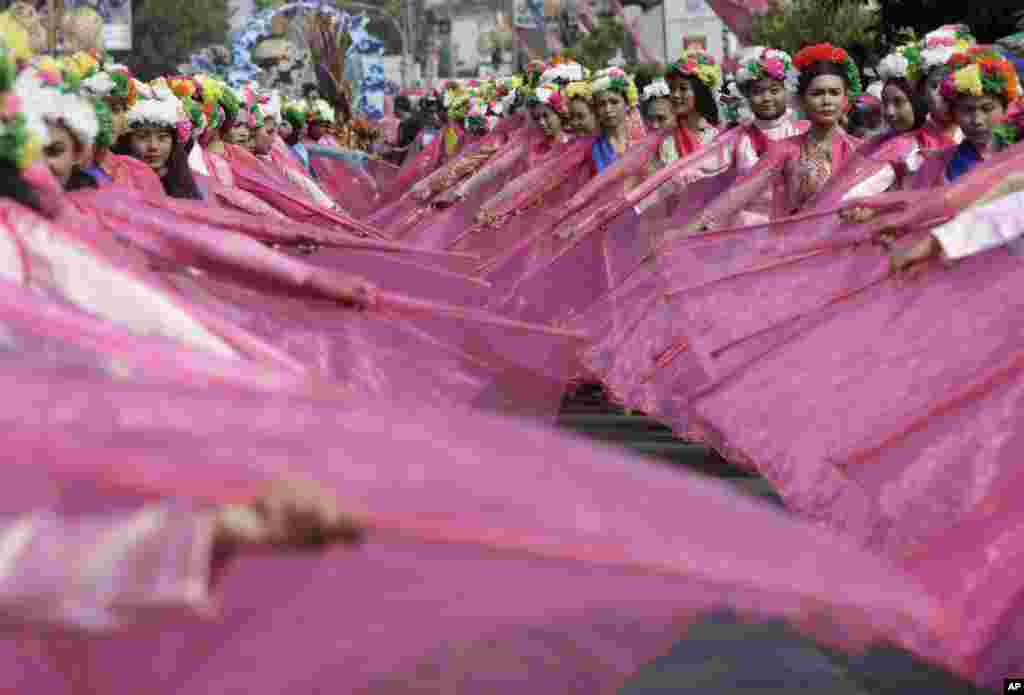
<point>97,573</point>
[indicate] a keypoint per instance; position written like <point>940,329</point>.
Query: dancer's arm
<point>97,573</point>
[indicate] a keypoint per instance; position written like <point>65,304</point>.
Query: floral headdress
<point>980,71</point>
<point>251,105</point>
<point>616,80</point>
<point>578,90</point>
<point>295,113</point>
<point>905,63</point>
<point>699,64</point>
<point>827,53</point>
<point>562,74</point>
<point>760,63</point>
<point>656,90</point>
<point>47,98</point>
<point>549,96</point>
<point>939,46</point>
<point>477,118</point>
<point>190,92</point>
<point>21,134</point>
<point>320,112</point>
<point>735,108</point>
<point>157,107</point>
<point>533,72</point>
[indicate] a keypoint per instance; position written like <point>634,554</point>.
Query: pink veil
<point>561,569</point>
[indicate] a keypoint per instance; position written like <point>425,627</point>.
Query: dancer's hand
<point>293,514</point>
<point>916,255</point>
<point>858,215</point>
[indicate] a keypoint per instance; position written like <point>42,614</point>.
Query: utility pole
<point>407,37</point>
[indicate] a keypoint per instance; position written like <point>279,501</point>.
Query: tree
<point>851,24</point>
<point>166,33</point>
<point>990,20</point>
<point>599,46</point>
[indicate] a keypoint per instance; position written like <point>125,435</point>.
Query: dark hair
<point>79,180</point>
<point>822,67</point>
<point>704,98</point>
<point>402,103</point>
<point>916,97</point>
<point>178,181</point>
<point>13,186</point>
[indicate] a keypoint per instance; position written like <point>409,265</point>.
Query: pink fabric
<point>131,172</point>
<point>900,355</point>
<point>570,573</point>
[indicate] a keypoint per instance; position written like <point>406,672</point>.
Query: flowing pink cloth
<point>129,171</point>
<point>268,183</point>
<point>884,365</point>
<point>413,212</point>
<point>545,559</point>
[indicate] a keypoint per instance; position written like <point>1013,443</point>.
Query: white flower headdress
<point>655,90</point>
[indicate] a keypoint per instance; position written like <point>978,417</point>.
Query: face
<point>547,120</point>
<point>62,154</point>
<point>825,100</point>
<point>286,130</point>
<point>898,109</point>
<point>937,106</point>
<point>611,109</point>
<point>119,116</point>
<point>684,99</point>
<point>240,135</point>
<point>660,114</point>
<point>316,131</point>
<point>582,119</point>
<point>153,146</point>
<point>977,116</point>
<point>263,140</point>
<point>767,99</point>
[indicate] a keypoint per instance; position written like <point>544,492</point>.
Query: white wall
<point>692,18</point>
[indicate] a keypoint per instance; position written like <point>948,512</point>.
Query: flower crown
<point>760,63</point>
<point>656,90</point>
<point>159,108</point>
<point>578,90</point>
<point>616,80</point>
<point>827,53</point>
<point>563,74</point>
<point>939,46</point>
<point>549,96</point>
<point>980,71</point>
<point>321,111</point>
<point>294,112</point>
<point>699,64</point>
<point>21,135</point>
<point>905,63</point>
<point>46,97</point>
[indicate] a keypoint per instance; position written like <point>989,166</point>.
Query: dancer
<point>693,80</point>
<point>582,117</point>
<point>658,107</point>
<point>799,167</point>
<point>979,88</point>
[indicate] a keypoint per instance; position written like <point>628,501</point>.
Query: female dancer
<point>582,119</point>
<point>798,168</point>
<point>692,79</point>
<point>658,108</point>
<point>159,134</point>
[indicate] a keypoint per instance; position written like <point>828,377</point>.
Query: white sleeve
<point>880,182</point>
<point>982,228</point>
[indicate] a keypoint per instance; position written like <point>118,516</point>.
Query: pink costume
<point>130,172</point>
<point>559,583</point>
<point>153,564</point>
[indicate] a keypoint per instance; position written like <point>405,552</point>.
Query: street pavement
<point>723,655</point>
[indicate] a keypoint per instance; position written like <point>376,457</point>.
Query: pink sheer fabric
<point>352,189</point>
<point>902,355</point>
<point>415,212</point>
<point>561,569</point>
<point>129,171</point>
